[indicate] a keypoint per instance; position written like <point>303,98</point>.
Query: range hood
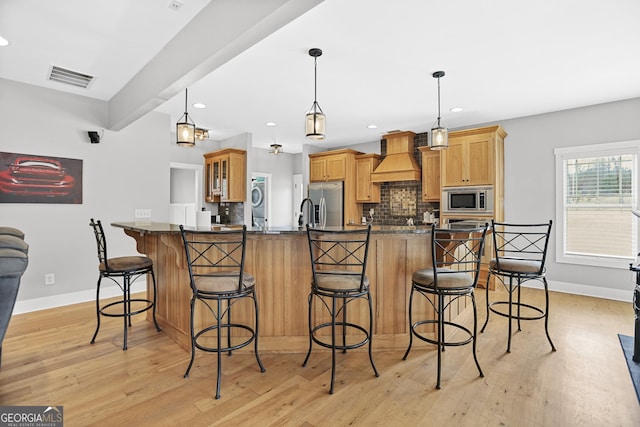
<point>399,164</point>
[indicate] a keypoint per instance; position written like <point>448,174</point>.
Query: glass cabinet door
<point>224,172</point>
<point>215,182</point>
<point>207,182</point>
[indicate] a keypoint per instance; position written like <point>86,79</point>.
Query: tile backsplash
<point>231,213</point>
<point>403,201</point>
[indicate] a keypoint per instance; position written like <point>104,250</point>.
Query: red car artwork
<point>36,176</point>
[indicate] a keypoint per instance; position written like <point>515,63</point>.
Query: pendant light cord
<point>438,101</point>
<point>186,95</point>
<point>315,80</point>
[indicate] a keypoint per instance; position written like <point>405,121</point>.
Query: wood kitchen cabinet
<point>431,187</point>
<point>367,191</point>
<point>476,157</point>
<point>225,175</point>
<point>473,158</point>
<point>327,167</point>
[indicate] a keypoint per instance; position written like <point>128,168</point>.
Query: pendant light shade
<point>439,132</point>
<point>315,118</point>
<point>186,128</point>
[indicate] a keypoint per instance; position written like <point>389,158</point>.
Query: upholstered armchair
<point>14,258</point>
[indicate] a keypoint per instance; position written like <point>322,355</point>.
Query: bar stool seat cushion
<point>446,279</point>
<point>126,263</point>
<point>336,280</point>
<point>516,265</point>
<point>223,283</point>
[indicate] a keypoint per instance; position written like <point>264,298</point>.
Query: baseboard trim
<point>53,301</point>
<point>585,290</point>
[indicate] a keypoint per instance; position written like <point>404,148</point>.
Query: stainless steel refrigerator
<point>328,203</point>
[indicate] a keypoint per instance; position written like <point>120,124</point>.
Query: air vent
<point>69,77</point>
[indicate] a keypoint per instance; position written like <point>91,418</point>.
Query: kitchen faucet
<point>310,211</point>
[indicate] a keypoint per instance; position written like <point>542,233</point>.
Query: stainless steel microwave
<point>471,200</point>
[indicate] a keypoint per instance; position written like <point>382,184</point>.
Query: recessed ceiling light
<point>372,126</point>
<point>3,41</point>
<point>270,124</point>
<point>456,109</point>
<point>175,4</point>
<point>199,105</point>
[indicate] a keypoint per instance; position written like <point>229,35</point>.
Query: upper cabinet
<point>225,175</point>
<point>327,167</point>
<point>430,174</point>
<point>474,157</point>
<point>367,191</point>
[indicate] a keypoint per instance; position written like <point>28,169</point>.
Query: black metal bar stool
<point>455,255</point>
<point>338,264</point>
<point>520,251</point>
<point>129,269</point>
<point>216,271</point>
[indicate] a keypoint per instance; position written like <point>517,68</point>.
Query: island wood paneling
<point>281,265</point>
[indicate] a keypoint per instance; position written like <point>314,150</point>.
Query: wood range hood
<point>399,164</point>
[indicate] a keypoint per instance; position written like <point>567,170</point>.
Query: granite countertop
<point>162,227</point>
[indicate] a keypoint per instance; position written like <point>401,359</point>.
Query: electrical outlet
<point>143,213</point>
<point>371,212</point>
<point>49,279</point>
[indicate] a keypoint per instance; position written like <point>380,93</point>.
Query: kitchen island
<point>279,260</point>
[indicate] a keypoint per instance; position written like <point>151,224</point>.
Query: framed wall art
<point>28,178</point>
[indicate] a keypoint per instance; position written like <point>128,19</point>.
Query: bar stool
<point>216,272</point>
<point>338,265</point>
<point>456,255</point>
<point>129,269</point>
<point>520,251</point>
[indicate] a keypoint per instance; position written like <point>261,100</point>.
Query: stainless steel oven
<point>467,200</point>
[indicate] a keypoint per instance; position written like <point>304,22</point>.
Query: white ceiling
<point>502,59</point>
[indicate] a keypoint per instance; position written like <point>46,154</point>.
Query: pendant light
<point>439,132</point>
<point>186,128</point>
<point>275,149</point>
<point>315,119</point>
<point>201,134</point>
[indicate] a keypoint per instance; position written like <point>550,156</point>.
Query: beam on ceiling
<point>221,31</point>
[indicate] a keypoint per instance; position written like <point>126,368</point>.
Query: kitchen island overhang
<point>279,260</point>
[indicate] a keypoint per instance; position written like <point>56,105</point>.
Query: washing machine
<point>258,203</point>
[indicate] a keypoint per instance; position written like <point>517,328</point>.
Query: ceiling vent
<point>69,77</point>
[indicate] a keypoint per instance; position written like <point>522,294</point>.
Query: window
<point>596,191</point>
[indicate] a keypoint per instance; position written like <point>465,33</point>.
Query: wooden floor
<point>47,360</point>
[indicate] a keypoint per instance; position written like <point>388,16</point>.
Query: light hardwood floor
<point>47,360</point>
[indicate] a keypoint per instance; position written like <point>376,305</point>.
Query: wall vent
<point>62,75</point>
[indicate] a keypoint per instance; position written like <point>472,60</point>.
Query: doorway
<point>260,199</point>
<point>185,195</point>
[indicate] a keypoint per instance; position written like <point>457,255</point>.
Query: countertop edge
<point>166,228</point>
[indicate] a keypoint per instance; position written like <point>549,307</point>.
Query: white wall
<point>530,179</point>
<point>126,170</point>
